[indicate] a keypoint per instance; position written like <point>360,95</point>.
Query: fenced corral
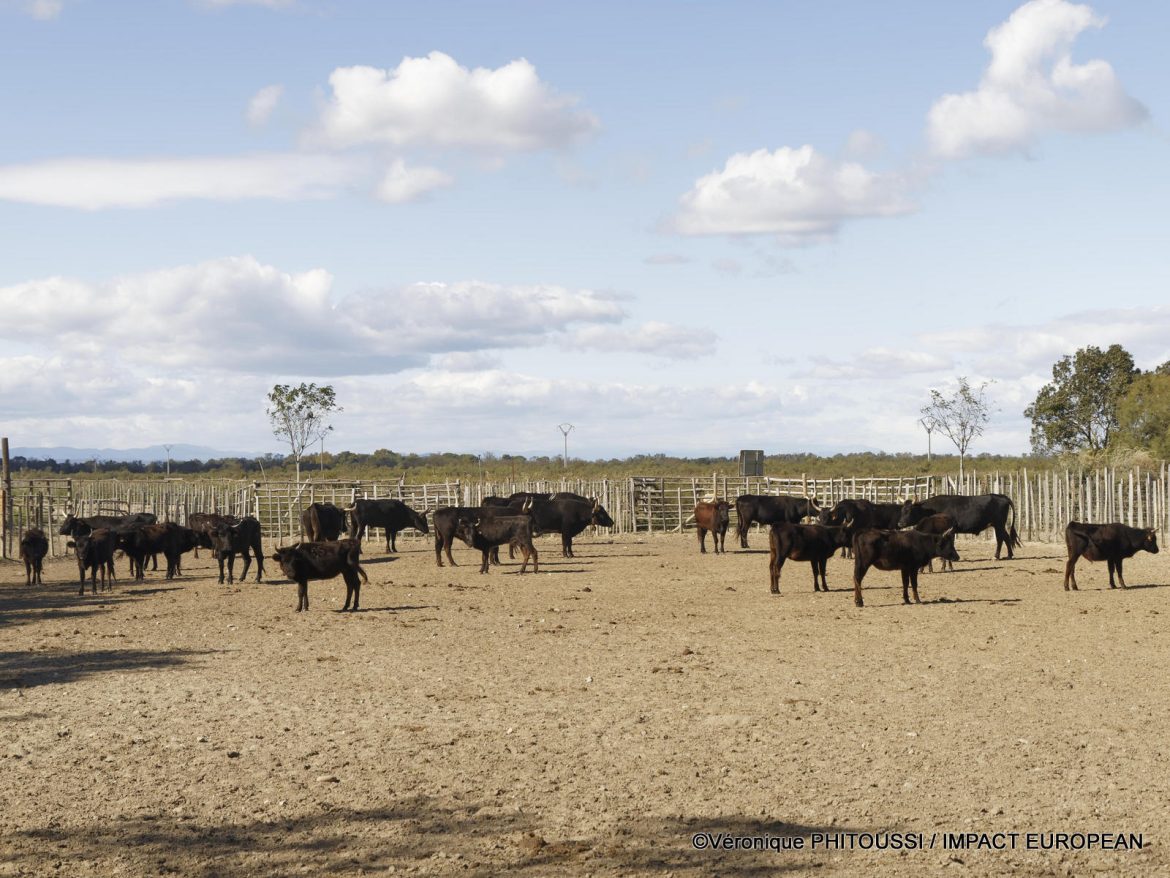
<point>1045,500</point>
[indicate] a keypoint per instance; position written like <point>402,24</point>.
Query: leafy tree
<point>1143,415</point>
<point>960,417</point>
<point>298,416</point>
<point>1078,409</point>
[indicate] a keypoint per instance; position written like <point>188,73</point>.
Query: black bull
<point>766,509</point>
<point>391,515</point>
<point>972,515</point>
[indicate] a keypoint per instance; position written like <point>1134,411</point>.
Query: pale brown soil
<point>588,719</point>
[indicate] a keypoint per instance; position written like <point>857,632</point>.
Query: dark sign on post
<point>751,463</point>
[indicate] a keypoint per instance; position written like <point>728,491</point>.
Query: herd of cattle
<point>324,554</point>
<point>905,536</point>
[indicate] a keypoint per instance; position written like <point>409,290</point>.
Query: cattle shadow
<point>159,590</point>
<point>25,670</point>
<point>946,600</point>
<point>401,609</point>
<point>415,833</point>
<point>367,561</point>
<point>1137,587</point>
<point>24,605</point>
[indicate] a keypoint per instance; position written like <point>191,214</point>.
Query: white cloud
<point>660,339</point>
<point>435,101</point>
<point>263,103</point>
<point>667,259</point>
<point>401,184</point>
<point>799,195</point>
<point>272,321</point>
<point>45,10</point>
<point>1031,86</point>
<point>93,184</point>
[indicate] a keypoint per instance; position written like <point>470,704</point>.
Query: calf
<point>714,516</point>
<point>323,560</point>
<point>487,532</point>
<point>814,543</point>
<point>95,552</point>
<point>203,523</point>
<point>243,538</point>
<point>905,550</point>
<point>1111,543</point>
<point>33,548</point>
<point>937,524</point>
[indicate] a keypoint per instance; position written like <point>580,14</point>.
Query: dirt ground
<point>590,719</point>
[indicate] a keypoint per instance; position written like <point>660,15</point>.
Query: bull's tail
<point>1013,537</point>
<point>362,573</point>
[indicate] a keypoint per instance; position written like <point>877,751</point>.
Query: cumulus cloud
<point>798,195</point>
<point>268,320</point>
<point>435,101</point>
<point>401,184</point>
<point>263,103</point>
<point>93,184</point>
<point>1032,86</point>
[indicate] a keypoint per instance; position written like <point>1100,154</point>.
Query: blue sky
<point>683,227</point>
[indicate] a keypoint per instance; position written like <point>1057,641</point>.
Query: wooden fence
<point>1045,501</point>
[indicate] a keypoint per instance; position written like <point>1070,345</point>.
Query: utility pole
<point>168,448</point>
<point>566,429</point>
<point>928,424</point>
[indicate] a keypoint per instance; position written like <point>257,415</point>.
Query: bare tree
<point>960,417</point>
<point>298,416</point>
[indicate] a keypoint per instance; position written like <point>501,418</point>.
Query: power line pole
<point>168,448</point>
<point>566,429</point>
<point>928,424</point>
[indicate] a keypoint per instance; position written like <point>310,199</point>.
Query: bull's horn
<point>350,508</point>
<point>595,504</point>
<point>948,532</point>
<point>527,505</point>
<point>848,522</point>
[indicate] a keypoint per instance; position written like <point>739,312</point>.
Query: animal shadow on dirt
<point>28,669</point>
<point>408,833</point>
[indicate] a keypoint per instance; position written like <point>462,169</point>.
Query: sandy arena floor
<point>587,720</point>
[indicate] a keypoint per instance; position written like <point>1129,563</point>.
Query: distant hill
<point>149,454</point>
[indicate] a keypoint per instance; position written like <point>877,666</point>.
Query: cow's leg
<point>775,566</point>
<point>905,586</point>
<point>220,559</point>
<point>302,595</point>
<point>721,535</point>
<point>247,557</point>
<point>438,548</point>
<point>858,574</point>
<point>259,561</point>
<point>1109,563</point>
<point>532,548</point>
<point>449,541</point>
<point>495,555</point>
<point>914,585</point>
<point>81,573</point>
<point>1070,573</point>
<point>742,528</point>
<point>1120,575</point>
<point>353,587</point>
<point>524,549</point>
<point>703,541</point>
<point>231,567</point>
<point>483,568</point>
